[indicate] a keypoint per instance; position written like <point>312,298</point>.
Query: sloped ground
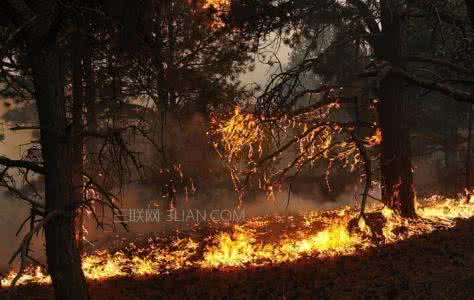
<point>437,266</point>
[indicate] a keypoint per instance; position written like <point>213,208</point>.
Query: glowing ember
<point>266,240</point>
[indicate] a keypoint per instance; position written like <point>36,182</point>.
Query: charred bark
<point>40,25</point>
<point>64,263</point>
<point>396,164</point>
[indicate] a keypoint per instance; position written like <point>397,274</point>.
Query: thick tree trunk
<point>469,184</point>
<point>64,263</point>
<point>396,165</point>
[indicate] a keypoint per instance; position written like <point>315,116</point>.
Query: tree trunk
<point>64,263</point>
<point>396,165</point>
<point>470,8</point>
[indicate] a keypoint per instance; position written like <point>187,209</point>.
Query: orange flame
<point>264,240</point>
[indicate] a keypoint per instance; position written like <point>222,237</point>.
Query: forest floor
<point>439,265</point>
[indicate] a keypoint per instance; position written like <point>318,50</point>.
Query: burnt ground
<point>435,266</point>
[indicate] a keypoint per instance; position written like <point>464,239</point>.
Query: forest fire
<point>175,120</point>
<point>265,240</point>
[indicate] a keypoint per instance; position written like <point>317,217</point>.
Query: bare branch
<point>443,88</point>
<point>18,127</point>
<point>24,246</point>
<point>22,164</point>
<point>440,62</point>
<point>385,69</point>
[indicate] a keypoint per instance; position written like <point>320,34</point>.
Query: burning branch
<point>246,142</point>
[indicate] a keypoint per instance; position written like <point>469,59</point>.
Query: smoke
<point>12,213</point>
<point>203,188</point>
<point>220,205</point>
<point>12,210</point>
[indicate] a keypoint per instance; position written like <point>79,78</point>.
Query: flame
<point>335,239</point>
<point>217,3</point>
<point>447,209</point>
<point>376,139</point>
<point>240,248</point>
<point>234,249</point>
<point>271,149</point>
<point>265,240</point>
<point>221,7</point>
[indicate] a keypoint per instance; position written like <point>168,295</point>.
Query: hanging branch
<point>23,250</point>
<point>108,199</point>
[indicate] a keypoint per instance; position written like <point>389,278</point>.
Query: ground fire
<point>265,240</point>
<point>249,149</point>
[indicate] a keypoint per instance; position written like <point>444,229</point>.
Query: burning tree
<point>378,31</point>
<point>269,150</point>
<point>93,99</point>
<point>93,67</point>
<point>38,41</point>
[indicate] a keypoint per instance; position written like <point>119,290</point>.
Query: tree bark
<point>64,263</point>
<point>396,165</point>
